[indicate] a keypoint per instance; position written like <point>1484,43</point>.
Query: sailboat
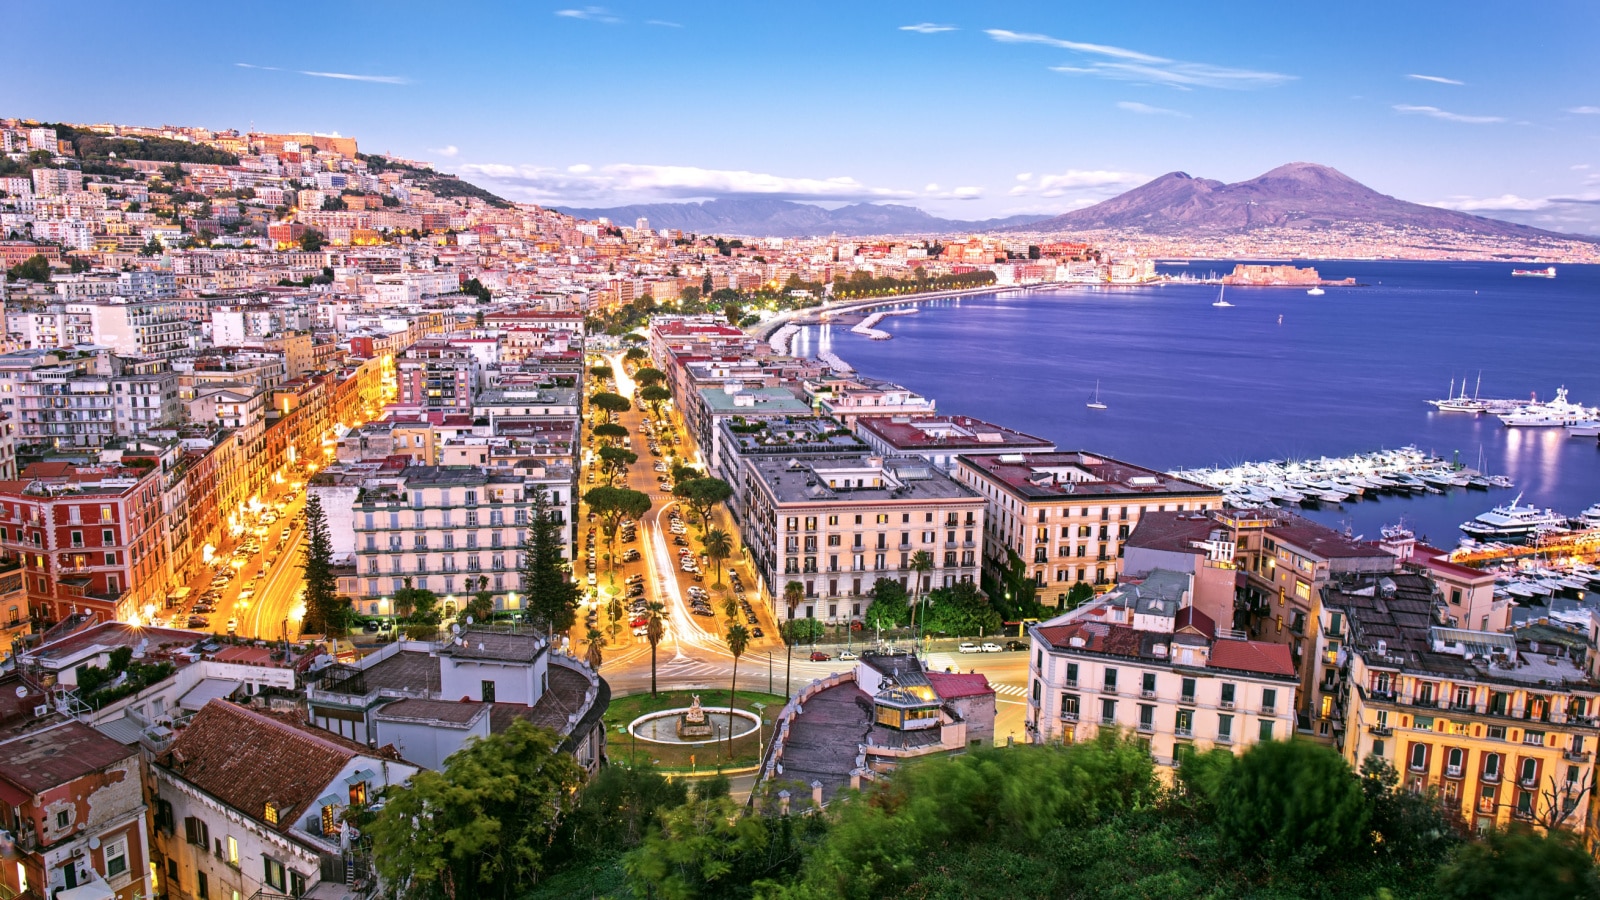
<point>1094,402</point>
<point>1220,300</point>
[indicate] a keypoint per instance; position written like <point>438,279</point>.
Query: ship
<point>1556,413</point>
<point>1547,272</point>
<point>1513,522</point>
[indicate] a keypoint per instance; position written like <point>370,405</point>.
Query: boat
<point>1094,402</point>
<point>1590,518</point>
<point>1547,272</point>
<point>1590,428</point>
<point>1556,413</point>
<point>1316,292</point>
<point>1513,522</point>
<point>1220,300</point>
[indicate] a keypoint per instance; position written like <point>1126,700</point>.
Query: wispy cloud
<point>1585,110</point>
<point>663,23</point>
<point>1437,113</point>
<point>447,151</point>
<point>1504,202</point>
<point>927,28</point>
<point>632,181</point>
<point>371,79</point>
<point>1436,79</point>
<point>591,14</point>
<point>1146,109</point>
<point>1123,64</point>
<point>1094,181</point>
<point>262,68</point>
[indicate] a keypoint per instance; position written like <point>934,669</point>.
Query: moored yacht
<point>1514,522</point>
<point>1557,412</point>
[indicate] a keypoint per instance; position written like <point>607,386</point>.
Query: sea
<point>1280,375</point>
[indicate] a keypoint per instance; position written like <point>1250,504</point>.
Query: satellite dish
<point>469,620</point>
<point>454,628</point>
<point>94,843</point>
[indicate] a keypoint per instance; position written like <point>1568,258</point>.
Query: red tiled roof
<point>1252,656</point>
<point>955,685</point>
<point>1189,617</point>
<point>41,760</point>
<point>247,759</point>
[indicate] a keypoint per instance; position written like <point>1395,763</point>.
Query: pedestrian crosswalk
<point>690,668</point>
<point>1009,690</point>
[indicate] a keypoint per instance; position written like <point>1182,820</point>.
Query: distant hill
<point>439,183</point>
<point>786,218</point>
<point>1297,195</point>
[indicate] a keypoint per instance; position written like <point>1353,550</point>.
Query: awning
<point>94,890</point>
<point>208,690</point>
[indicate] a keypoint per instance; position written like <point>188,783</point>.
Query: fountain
<point>693,724</point>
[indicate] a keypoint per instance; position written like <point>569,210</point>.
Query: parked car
<point>1016,645</point>
<point>847,654</point>
<point>757,632</point>
<point>967,647</point>
<point>198,622</point>
<point>991,647</point>
<point>819,656</point>
<point>639,622</point>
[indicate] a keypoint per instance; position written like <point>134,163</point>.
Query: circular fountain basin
<point>662,727</point>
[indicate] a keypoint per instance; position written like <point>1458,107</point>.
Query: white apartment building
<point>1148,667</point>
<point>445,527</point>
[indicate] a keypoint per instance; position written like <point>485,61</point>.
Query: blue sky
<point>967,110</point>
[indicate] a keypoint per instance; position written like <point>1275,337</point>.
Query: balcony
<point>1186,698</point>
<point>1070,682</point>
<point>1108,721</point>
<point>1577,756</point>
<point>1147,727</point>
<point>1069,717</point>
<point>1452,771</point>
<point>1184,731</point>
<point>1147,694</point>
<point>1225,738</point>
<point>1226,704</point>
<point>1268,711</point>
<point>1108,688</point>
<point>1380,730</point>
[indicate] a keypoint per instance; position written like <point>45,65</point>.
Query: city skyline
<point>605,105</point>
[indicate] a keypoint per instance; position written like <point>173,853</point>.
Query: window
<point>1147,687</point>
<point>201,888</point>
<point>63,818</point>
<point>232,850</point>
<point>270,813</point>
<point>1072,674</point>
<point>1188,690</point>
<point>273,873</point>
<point>1269,701</point>
<point>1185,723</point>
<point>1266,729</point>
<point>195,832</point>
<point>1225,728</point>
<point>1147,717</point>
<point>1452,764</point>
<point>1111,680</point>
<point>1419,757</point>
<point>297,884</point>
<point>116,856</point>
<point>1491,767</point>
<point>1528,772</point>
<point>1069,707</point>
<point>487,689</point>
<point>1227,696</point>
<point>1108,712</point>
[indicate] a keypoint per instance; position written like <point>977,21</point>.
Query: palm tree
<point>718,546</point>
<point>921,564</point>
<point>654,631</point>
<point>738,638</point>
<point>596,641</point>
<point>793,593</point>
<point>614,612</point>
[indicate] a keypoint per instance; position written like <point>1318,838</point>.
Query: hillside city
<point>335,489</point>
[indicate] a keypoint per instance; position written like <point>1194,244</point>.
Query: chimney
<point>816,794</point>
<point>783,802</point>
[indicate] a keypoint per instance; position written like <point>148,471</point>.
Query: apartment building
<point>1067,515</point>
<point>743,408</point>
<point>1501,726</point>
<point>442,528</point>
<point>940,439</point>
<point>837,524</point>
<point>851,398</point>
<point>435,374</point>
<point>1143,663</point>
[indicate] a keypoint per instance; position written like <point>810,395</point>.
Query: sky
<point>966,110</point>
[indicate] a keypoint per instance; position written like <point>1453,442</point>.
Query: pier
<point>865,326</point>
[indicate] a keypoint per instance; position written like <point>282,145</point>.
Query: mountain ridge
<point>762,217</point>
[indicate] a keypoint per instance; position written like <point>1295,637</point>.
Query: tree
<point>616,460</point>
<point>610,432</point>
<point>34,268</point>
<point>1413,828</point>
<point>888,608</point>
<point>418,610</point>
<point>482,827</point>
<point>921,564</point>
<point>550,596</point>
<point>326,613</point>
<point>702,495</point>
<point>311,240</point>
<point>655,395</point>
<point>654,630</point>
<point>793,593</point>
<point>649,375</point>
<point>617,808</point>
<point>1520,864</point>
<point>738,639</point>
<point>705,285</point>
<point>610,403</point>
<point>612,505</point>
<point>1286,799</point>
<point>600,372</point>
<point>477,289</point>
<point>614,612</point>
<point>152,247</point>
<point>594,656</point>
<point>710,847</point>
<point>1080,593</point>
<point>718,546</point>
<point>481,607</point>
<point>960,609</point>
<point>634,354</point>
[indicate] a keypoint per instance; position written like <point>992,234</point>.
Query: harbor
<point>1333,480</point>
<point>865,326</point>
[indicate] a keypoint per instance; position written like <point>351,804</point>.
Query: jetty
<point>864,327</point>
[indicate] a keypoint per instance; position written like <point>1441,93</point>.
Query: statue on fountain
<point>693,724</point>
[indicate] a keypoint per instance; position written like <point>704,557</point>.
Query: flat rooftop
<point>856,478</point>
<point>913,434</point>
<point>1079,474</point>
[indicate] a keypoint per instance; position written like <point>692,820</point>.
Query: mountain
<point>1297,195</point>
<point>785,218</point>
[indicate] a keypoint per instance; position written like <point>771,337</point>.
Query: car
<point>967,647</point>
<point>246,594</point>
<point>703,612</point>
<point>681,541</point>
<point>638,622</point>
<point>198,622</point>
<point>592,579</point>
<point>370,627</point>
<point>751,620</point>
<point>1016,645</point>
<point>757,632</point>
<point>233,625</point>
<point>819,656</point>
<point>847,654</point>
<point>991,647</point>
<point>640,632</point>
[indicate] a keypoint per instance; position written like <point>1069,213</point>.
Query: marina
<point>1333,480</point>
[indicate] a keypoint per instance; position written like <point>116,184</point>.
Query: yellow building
<point>1501,725</point>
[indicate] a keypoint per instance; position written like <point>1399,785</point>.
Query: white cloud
<point>1146,109</point>
<point>1502,202</point>
<point>447,151</point>
<point>927,28</point>
<point>967,193</point>
<point>371,79</point>
<point>1436,79</point>
<point>1099,181</point>
<point>1585,110</point>
<point>591,14</point>
<point>631,181</point>
<point>663,23</point>
<point>262,68</point>
<point>932,186</point>
<point>1024,176</point>
<point>1122,64</point>
<point>1437,113</point>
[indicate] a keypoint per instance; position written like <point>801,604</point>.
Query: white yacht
<point>1556,413</point>
<point>1220,300</point>
<point>1316,292</point>
<point>1590,518</point>
<point>1587,429</point>
<point>1513,522</point>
